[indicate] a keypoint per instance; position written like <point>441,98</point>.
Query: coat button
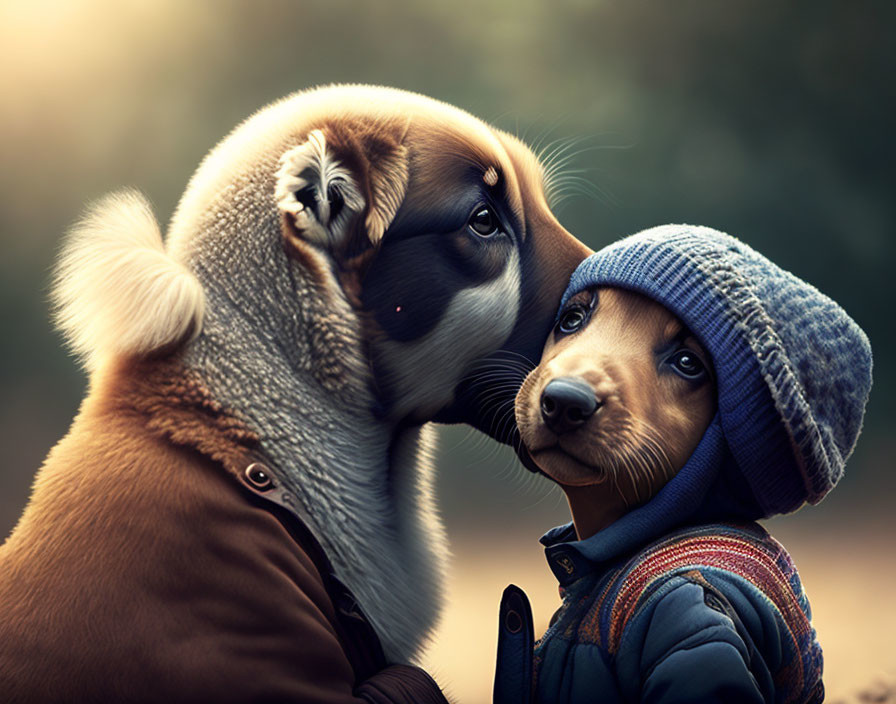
<point>513,621</point>
<point>258,476</point>
<point>566,563</point>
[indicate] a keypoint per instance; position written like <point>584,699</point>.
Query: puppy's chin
<point>567,470</point>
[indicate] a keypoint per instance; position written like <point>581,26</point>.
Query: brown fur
<point>167,584</point>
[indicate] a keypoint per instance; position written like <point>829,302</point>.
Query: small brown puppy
<point>621,398</point>
<point>674,424</point>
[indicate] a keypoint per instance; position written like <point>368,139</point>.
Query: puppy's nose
<point>566,403</point>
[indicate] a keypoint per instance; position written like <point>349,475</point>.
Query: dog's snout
<point>566,403</point>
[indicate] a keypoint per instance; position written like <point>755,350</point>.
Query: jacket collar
<point>677,502</point>
<point>177,406</point>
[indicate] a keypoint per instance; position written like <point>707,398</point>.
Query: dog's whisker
<point>539,148</point>
<point>653,437</point>
<point>503,361</point>
<point>560,147</point>
<point>576,185</point>
<point>569,155</point>
<point>501,377</point>
<point>509,421</point>
<point>496,371</point>
<point>498,415</point>
<point>504,387</point>
<point>497,396</point>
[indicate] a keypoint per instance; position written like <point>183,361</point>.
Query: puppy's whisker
<point>507,366</point>
<point>503,383</point>
<point>505,377</point>
<point>634,466</point>
<point>496,397</point>
<point>502,417</point>
<point>662,459</point>
<point>653,438</point>
<point>495,371</point>
<point>567,156</point>
<point>512,354</point>
<point>504,388</point>
<point>508,424</point>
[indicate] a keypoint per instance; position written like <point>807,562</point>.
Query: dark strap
<point>359,640</point>
<point>513,674</point>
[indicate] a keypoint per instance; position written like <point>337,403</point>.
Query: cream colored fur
<point>312,165</point>
<point>116,291</point>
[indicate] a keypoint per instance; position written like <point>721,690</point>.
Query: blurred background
<point>771,121</point>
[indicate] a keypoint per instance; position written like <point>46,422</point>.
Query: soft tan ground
<point>849,574</point>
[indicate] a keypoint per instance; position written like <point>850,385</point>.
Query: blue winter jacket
<point>711,613</point>
<point>706,612</point>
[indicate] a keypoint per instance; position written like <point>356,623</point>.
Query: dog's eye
<point>483,222</point>
<point>571,320</point>
<point>687,365</point>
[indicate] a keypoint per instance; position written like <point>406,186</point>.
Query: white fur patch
<point>116,291</point>
<point>477,320</point>
<point>311,165</point>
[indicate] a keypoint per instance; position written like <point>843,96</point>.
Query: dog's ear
<point>322,186</point>
<point>387,176</point>
<point>318,195</point>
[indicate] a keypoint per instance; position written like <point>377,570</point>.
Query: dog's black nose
<point>566,403</point>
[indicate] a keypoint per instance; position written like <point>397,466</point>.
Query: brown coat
<point>142,569</point>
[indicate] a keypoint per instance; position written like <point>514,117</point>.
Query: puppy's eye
<point>571,320</point>
<point>483,222</point>
<point>687,365</point>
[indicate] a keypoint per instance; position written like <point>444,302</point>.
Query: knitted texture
<point>793,369</point>
<point>746,551</point>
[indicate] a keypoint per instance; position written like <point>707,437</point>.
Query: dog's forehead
<point>444,147</point>
<point>443,137</point>
<point>445,153</point>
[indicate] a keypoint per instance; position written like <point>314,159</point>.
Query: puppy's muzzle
<point>566,403</point>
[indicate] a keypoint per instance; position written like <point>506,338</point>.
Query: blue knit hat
<point>794,370</point>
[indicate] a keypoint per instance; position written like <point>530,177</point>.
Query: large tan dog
<point>348,264</point>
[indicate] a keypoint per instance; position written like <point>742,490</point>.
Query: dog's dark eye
<point>483,222</point>
<point>571,320</point>
<point>687,364</point>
